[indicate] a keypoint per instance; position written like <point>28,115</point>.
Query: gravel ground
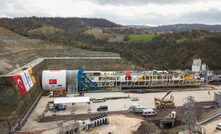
<point>146,100</point>
<point>119,124</point>
<point>117,105</point>
<point>210,127</point>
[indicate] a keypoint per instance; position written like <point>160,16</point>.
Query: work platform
<point>78,81</point>
<point>143,79</point>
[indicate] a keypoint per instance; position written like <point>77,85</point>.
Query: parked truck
<point>60,107</point>
<point>140,109</point>
<point>149,112</point>
<point>136,108</point>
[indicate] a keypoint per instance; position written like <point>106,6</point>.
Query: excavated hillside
<point>17,50</point>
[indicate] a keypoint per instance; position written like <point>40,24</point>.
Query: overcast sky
<point>125,12</point>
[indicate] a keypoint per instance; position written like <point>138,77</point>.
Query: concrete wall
<point>9,102</point>
<point>13,105</point>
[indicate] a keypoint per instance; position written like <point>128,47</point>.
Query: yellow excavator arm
<point>161,100</point>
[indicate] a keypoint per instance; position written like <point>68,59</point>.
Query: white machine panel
<point>54,79</point>
<point>134,78</point>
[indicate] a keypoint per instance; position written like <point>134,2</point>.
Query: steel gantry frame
<point>84,83</point>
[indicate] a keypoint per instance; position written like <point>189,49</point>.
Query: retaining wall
<point>14,106</point>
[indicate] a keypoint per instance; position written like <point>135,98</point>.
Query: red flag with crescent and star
<point>52,81</point>
<point>20,84</point>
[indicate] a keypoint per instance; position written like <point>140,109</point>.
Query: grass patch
<point>45,30</point>
<point>98,33</point>
<point>141,37</point>
<point>5,31</point>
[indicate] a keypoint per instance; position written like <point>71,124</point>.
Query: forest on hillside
<point>168,50</point>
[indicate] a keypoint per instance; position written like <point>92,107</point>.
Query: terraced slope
<point>17,50</point>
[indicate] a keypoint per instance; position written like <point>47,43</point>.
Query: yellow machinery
<point>162,103</point>
<point>79,94</point>
<point>188,77</point>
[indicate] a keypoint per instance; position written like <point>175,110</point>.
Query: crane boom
<point>160,102</point>
<point>165,96</point>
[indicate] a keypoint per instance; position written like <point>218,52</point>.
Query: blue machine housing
<point>84,83</point>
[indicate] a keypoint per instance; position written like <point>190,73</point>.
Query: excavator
<point>162,103</point>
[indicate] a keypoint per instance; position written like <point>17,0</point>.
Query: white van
<point>218,126</point>
<point>97,100</point>
<point>149,112</point>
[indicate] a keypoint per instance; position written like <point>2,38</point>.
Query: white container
<point>204,68</point>
<point>195,68</point>
<point>54,79</point>
<point>197,62</point>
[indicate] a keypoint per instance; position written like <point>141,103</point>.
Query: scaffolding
<point>142,79</point>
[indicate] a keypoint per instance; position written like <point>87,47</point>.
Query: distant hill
<point>139,26</point>
<point>59,28</point>
<point>153,50</point>
<point>180,27</point>
<point>67,24</point>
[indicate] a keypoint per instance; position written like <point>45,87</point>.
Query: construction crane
<point>162,103</point>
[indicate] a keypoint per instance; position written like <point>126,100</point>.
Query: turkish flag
<point>52,81</point>
<point>20,84</point>
<point>128,74</point>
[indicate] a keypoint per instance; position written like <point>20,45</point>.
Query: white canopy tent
<point>71,100</point>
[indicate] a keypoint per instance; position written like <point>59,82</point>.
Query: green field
<point>45,30</point>
<point>141,37</point>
